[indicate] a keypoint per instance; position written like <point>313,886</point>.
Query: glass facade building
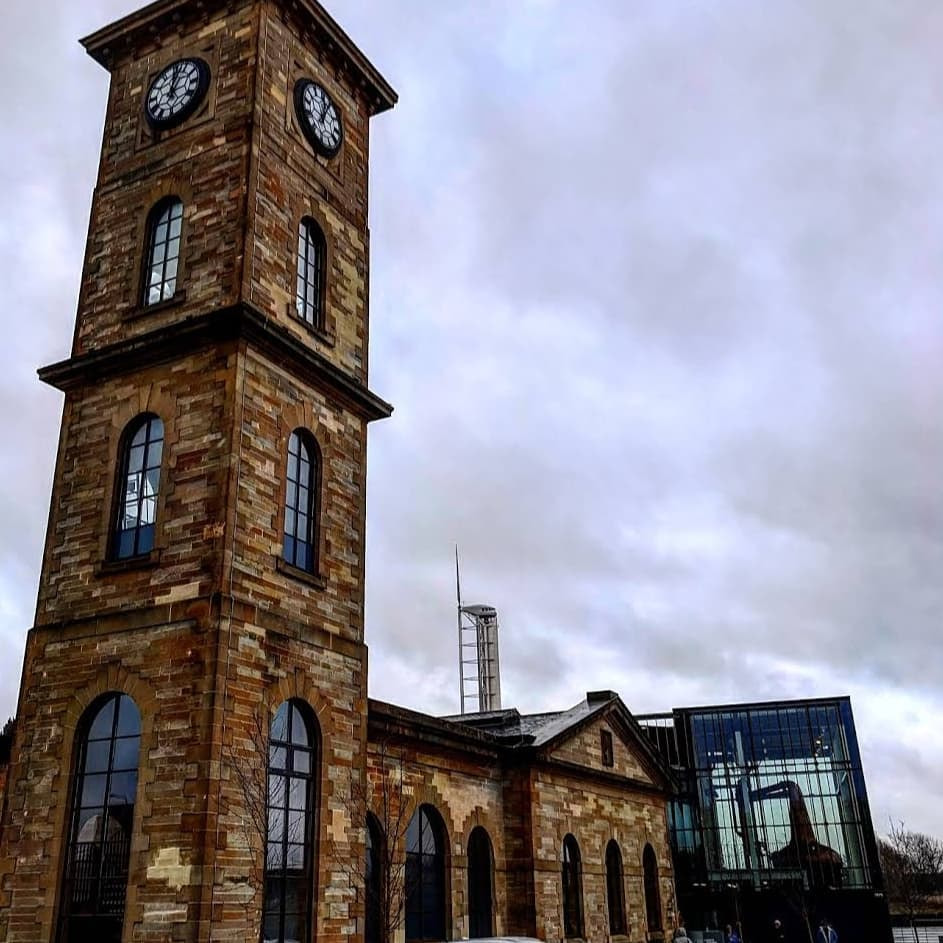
<point>771,819</point>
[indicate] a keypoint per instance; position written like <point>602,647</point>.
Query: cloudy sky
<point>657,296</point>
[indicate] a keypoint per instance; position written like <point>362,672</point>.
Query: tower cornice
<point>241,322</point>
<point>107,43</point>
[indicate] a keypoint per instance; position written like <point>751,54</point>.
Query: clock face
<point>176,92</point>
<point>319,117</point>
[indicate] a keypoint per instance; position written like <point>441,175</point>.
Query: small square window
<point>605,739</point>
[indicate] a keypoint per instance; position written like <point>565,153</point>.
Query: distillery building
<point>771,820</point>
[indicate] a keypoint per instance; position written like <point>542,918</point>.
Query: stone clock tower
<point>200,611</point>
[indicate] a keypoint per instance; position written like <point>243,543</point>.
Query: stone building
<point>193,734</point>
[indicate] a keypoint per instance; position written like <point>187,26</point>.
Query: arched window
<point>374,881</point>
<point>292,769</point>
<point>572,889</point>
<point>302,487</point>
<point>615,889</point>
<point>309,282</point>
<point>163,250</point>
<point>138,487</point>
<point>652,894</point>
<point>98,851</point>
<point>480,871</point>
<point>425,876</point>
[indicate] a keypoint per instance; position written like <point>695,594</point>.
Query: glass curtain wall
<point>777,790</point>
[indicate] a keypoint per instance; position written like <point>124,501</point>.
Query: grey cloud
<point>655,292</point>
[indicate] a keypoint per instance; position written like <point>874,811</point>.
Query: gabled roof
<point>543,732</point>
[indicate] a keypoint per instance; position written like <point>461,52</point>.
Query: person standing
<point>777,934</point>
<point>826,932</point>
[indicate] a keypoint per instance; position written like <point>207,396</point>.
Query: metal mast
<point>479,668</point>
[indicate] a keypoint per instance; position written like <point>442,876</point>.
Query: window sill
<point>144,561</point>
<point>142,311</point>
<point>319,333</point>
<point>296,573</point>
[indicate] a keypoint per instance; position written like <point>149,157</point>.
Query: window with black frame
<point>292,768</point>
<point>615,889</point>
<point>302,486</point>
<point>425,876</point>
<point>164,228</point>
<point>138,487</point>
<point>480,879</point>
<point>572,889</point>
<point>309,279</point>
<point>374,879</point>
<point>652,892</point>
<point>98,849</point>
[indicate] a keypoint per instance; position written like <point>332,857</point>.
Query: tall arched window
<point>292,768</point>
<point>374,881</point>
<point>98,851</point>
<point>302,487</point>
<point>652,894</point>
<point>164,225</point>
<point>572,889</point>
<point>425,876</point>
<point>309,281</point>
<point>480,872</point>
<point>615,889</point>
<point>138,487</point>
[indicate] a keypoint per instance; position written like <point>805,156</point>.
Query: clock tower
<point>191,724</point>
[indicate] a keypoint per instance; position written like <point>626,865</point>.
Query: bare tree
<point>261,810</point>
<point>380,879</point>
<point>252,788</point>
<point>913,870</point>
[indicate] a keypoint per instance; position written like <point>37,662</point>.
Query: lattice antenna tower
<point>479,669</point>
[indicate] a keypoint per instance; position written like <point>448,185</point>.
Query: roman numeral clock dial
<point>320,118</point>
<point>176,92</point>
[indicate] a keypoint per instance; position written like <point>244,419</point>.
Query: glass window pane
<point>276,825</point>
<point>126,753</point>
<point>93,790</point>
<point>121,790</point>
<point>298,793</point>
<point>280,723</point>
<point>274,858</point>
<point>145,538</point>
<point>293,927</point>
<point>296,827</point>
<point>97,756</point>
<point>89,822</point>
<point>299,729</point>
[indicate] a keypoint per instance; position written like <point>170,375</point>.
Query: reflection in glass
<point>139,486</point>
<point>301,488</point>
<point>425,876</point>
<point>99,842</point>
<point>290,800</point>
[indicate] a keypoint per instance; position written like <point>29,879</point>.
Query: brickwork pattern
<point>584,749</point>
<point>527,808</point>
<point>594,814</point>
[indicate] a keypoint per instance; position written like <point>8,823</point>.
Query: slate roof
<point>534,729</point>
